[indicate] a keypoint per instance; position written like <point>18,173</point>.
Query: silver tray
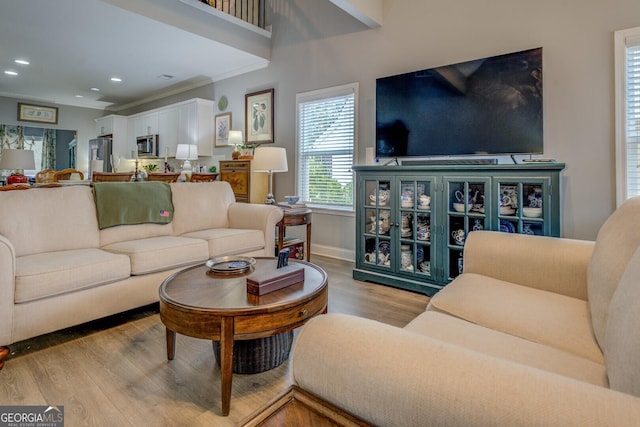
<point>231,264</point>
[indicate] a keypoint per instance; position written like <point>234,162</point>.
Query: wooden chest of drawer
<point>248,186</point>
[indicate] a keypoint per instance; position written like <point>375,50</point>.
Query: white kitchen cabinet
<point>116,127</point>
<point>195,125</point>
<point>142,124</point>
<point>168,119</point>
<point>188,122</point>
<point>105,125</point>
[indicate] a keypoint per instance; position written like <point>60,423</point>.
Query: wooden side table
<point>291,219</point>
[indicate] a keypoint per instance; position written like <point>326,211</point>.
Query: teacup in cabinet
<point>458,236</point>
<point>380,198</point>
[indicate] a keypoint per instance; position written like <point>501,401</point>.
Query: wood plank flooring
<point>115,372</point>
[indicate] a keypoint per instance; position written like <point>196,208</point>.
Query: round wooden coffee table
<point>198,305</point>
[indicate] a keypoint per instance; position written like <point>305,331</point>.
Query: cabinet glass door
<point>377,224</point>
<point>520,206</point>
<point>466,212</point>
<point>416,197</point>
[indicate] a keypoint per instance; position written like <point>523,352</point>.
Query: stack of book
<point>293,207</point>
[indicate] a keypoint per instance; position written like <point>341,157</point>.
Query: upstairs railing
<point>250,11</point>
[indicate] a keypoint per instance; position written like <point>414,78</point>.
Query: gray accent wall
<point>316,45</point>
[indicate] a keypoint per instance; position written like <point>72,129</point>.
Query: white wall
<point>316,45</point>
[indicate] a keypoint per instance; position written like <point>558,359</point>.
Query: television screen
<point>487,106</point>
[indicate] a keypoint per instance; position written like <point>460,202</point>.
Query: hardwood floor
<point>115,372</point>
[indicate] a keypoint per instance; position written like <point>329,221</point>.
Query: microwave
<point>147,146</point>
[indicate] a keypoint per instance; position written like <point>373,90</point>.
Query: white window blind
<point>632,127</point>
<point>628,113</point>
<point>326,132</point>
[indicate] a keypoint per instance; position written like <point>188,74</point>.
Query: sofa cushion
<point>617,240</point>
<point>200,205</point>
<point>228,241</point>
<point>622,340</point>
<point>53,273</point>
<point>49,219</point>
<point>123,233</point>
<point>488,341</point>
<point>539,316</point>
<point>161,253</point>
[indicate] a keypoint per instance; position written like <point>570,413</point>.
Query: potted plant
<point>246,151</point>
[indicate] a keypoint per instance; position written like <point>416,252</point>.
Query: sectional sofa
<point>537,331</point>
<point>59,268</point>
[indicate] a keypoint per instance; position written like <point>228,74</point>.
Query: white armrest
<point>257,217</point>
<point>392,377</point>
<point>7,289</point>
<point>548,263</point>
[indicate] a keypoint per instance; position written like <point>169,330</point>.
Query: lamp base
<point>17,178</point>
<point>270,199</point>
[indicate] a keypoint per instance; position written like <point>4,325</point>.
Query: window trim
<point>329,92</point>
<point>620,45</point>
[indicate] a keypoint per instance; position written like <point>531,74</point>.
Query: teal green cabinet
<point>412,221</point>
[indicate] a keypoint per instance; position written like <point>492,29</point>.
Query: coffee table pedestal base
<point>258,355</point>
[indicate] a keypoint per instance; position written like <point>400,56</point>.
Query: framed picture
<point>223,125</point>
<point>37,113</point>
<point>258,117</point>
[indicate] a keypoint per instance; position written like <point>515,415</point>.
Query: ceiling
<point>76,45</point>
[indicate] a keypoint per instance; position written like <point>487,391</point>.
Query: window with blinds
<point>326,134</point>
<point>632,131</point>
<point>628,112</point>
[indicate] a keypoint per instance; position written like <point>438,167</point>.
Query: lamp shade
<point>17,159</point>
<point>187,152</point>
<point>235,137</point>
<point>270,159</point>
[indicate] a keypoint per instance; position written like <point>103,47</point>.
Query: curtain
<point>48,149</point>
<point>11,137</point>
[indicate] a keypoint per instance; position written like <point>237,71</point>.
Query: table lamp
<point>270,160</point>
<point>235,139</point>
<point>17,160</point>
<point>186,152</point>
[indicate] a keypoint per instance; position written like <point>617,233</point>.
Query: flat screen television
<point>489,106</point>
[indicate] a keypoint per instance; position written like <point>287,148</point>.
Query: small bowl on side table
<point>292,200</point>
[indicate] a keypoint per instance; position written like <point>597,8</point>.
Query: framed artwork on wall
<point>258,117</point>
<point>37,113</point>
<point>223,125</point>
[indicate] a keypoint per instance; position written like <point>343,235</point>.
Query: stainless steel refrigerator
<point>100,149</point>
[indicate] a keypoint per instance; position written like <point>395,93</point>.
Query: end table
<point>291,219</point>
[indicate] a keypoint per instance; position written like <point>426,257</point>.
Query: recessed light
<point>166,76</point>
<point>21,61</point>
<point>95,89</point>
<point>79,96</point>
<point>11,72</point>
<point>116,79</point>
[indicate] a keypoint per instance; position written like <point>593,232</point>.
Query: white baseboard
<point>333,252</point>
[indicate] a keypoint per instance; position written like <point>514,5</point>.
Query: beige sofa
<point>58,269</point>
<point>537,331</point>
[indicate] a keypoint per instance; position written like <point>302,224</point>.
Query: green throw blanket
<point>121,203</point>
